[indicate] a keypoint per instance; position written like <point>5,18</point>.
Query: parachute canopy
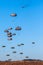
<point>26,57</point>
<point>9,59</point>
<point>9,34</point>
<point>14,34</point>
<point>14,51</point>
<point>6,31</point>
<point>3,46</point>
<point>13,14</point>
<point>12,47</point>
<point>33,42</point>
<point>25,6</point>
<point>21,52</point>
<point>9,38</point>
<point>7,55</point>
<point>18,28</point>
<point>22,44</point>
<point>19,45</point>
<point>10,28</point>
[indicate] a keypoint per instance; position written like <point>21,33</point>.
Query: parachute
<point>6,31</point>
<point>26,57</point>
<point>9,34</point>
<point>18,28</point>
<point>12,47</point>
<point>10,28</point>
<point>13,14</point>
<point>18,45</point>
<point>7,55</point>
<point>22,44</point>
<point>9,38</point>
<point>21,52</point>
<point>9,59</point>
<point>3,46</point>
<point>14,34</point>
<point>25,6</point>
<point>14,51</point>
<point>33,42</point>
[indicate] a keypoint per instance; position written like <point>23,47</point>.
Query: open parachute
<point>13,14</point>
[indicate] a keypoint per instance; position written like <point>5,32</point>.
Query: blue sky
<point>31,21</point>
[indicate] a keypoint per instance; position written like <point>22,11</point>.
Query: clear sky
<point>31,21</point>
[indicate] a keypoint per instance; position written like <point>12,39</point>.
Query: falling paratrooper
<point>21,53</point>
